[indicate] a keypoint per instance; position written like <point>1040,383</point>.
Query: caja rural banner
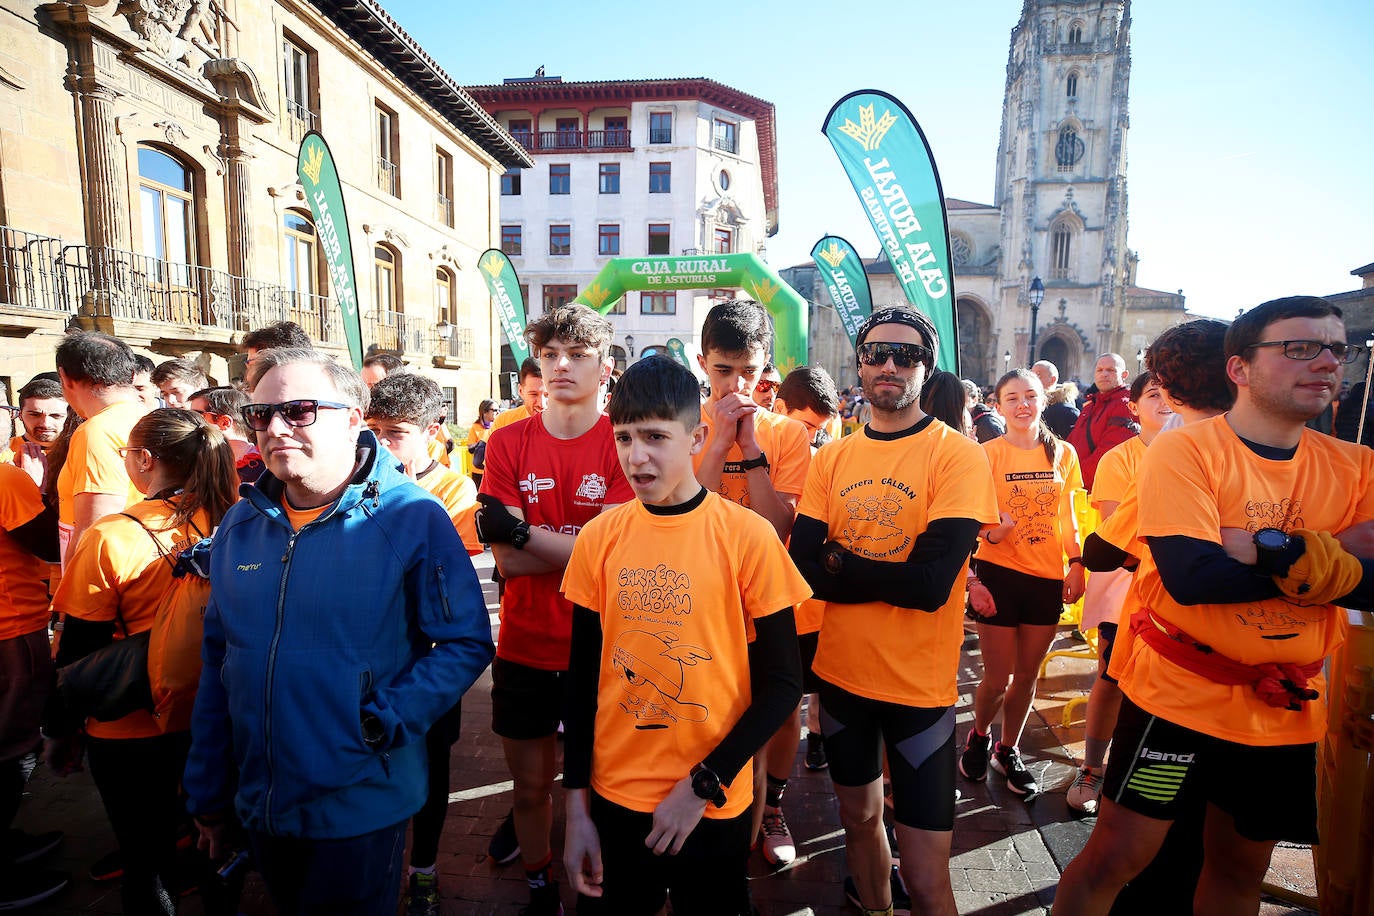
<point>320,179</point>
<point>504,285</point>
<point>842,272</point>
<point>889,163</point>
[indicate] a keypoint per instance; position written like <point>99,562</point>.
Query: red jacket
<point>1105,422</point>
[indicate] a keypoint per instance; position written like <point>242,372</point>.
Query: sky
<point>1248,153</point>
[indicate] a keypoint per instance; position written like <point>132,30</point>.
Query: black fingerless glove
<point>495,524</point>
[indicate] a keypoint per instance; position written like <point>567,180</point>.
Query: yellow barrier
<point>1345,776</point>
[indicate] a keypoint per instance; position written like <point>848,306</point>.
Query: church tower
<point>1061,182</point>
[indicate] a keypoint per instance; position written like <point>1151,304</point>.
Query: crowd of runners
<point>693,578</point>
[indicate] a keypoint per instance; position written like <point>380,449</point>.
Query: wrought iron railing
<point>460,345</point>
<point>300,120</point>
<point>387,176</point>
<point>563,140</point>
<point>444,209</point>
<point>28,273</point>
<point>402,333</point>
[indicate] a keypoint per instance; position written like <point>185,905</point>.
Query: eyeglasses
<point>297,414</point>
<point>766,385</point>
<point>124,450</point>
<point>903,355</point>
<point>1311,349</point>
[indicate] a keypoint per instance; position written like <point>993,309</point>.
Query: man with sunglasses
<point>345,619</point>
<point>1221,666</point>
<point>887,520</point>
<point>766,389</point>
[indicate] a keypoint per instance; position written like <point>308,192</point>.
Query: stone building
<point>632,168</point>
<point>148,183</point>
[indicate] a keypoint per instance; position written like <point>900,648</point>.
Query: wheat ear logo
<point>595,295</point>
<point>764,290</point>
<point>493,266</point>
<point>314,161</point>
<point>833,255</point>
<point>868,133</point>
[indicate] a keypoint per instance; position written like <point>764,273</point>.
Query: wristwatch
<point>706,785</point>
<point>520,535</point>
<point>748,464</point>
<point>832,558</point>
<point>1271,545</point>
<point>374,732</point>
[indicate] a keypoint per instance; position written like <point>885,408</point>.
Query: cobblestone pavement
<point>1007,852</point>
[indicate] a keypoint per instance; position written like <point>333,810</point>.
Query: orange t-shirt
<point>93,465</point>
<point>299,518</point>
<point>459,495</point>
<point>1040,497</point>
<point>674,592</point>
<point>507,417</point>
<point>23,596</point>
<point>785,443</point>
<point>116,571</point>
<point>1194,482</point>
<point>1117,471</point>
<point>875,496</point>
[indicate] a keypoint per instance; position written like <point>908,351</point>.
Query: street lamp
<point>630,346</point>
<point>1139,359</point>
<point>1037,296</point>
<point>444,329</point>
<point>1006,362</point>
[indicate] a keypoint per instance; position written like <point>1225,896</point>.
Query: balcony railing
<point>300,120</point>
<point>460,345</point>
<point>548,141</point>
<point>402,333</point>
<point>444,209</point>
<point>28,271</point>
<point>387,177</point>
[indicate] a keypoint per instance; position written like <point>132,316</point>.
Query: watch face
<point>1271,539</point>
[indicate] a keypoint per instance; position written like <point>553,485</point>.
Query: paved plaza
<point>1008,853</point>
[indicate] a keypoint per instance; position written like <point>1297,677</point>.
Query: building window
<point>560,179</point>
<point>567,133</point>
<point>512,239</point>
<point>1071,86</point>
<point>608,240</point>
<point>660,127</point>
<point>298,85</point>
<point>725,136</point>
<point>658,303</point>
<point>166,201</point>
<point>302,264</point>
<point>1061,250</point>
<point>1068,149</point>
<point>388,151</point>
<point>510,183</point>
<point>522,132</point>
<point>723,241</point>
<point>660,177</point>
<point>443,183</point>
<point>724,180</point>
<point>556,294</point>
<point>560,240</point>
<point>660,235</point>
<point>617,307</point>
<point>386,289</point>
<point>1076,33</point>
<point>617,132</point>
<point>445,307</point>
<point>608,177</point>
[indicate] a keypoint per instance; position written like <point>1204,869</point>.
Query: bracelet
<point>1073,560</point>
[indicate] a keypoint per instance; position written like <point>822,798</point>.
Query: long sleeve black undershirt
<point>775,690</point>
<point>1100,555</point>
<point>923,581</point>
<point>1195,571</point>
<point>38,535</point>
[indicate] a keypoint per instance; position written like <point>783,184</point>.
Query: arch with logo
<point>710,271</point>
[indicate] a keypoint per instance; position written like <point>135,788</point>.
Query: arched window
<point>1071,85</point>
<point>1076,33</point>
<point>386,287</point>
<point>444,303</point>
<point>1061,250</point>
<point>303,270</point>
<point>1069,148</point>
<point>166,204</point>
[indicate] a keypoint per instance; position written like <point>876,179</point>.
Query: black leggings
<point>428,823</point>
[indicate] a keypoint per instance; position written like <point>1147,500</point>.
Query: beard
<point>890,401</point>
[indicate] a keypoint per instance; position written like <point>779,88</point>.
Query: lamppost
<point>1006,362</point>
<point>1139,359</point>
<point>1037,296</point>
<point>629,346</point>
<point>445,331</point>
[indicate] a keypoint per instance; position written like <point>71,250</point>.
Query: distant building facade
<point>148,183</point>
<point>631,168</point>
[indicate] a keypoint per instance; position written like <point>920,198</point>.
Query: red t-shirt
<point>560,485</point>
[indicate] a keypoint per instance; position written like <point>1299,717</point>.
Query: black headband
<point>897,314</point>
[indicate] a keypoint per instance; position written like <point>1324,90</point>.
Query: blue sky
<point>1250,143</point>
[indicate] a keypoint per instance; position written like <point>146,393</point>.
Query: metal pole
<point>1035,315</point>
<point>1368,374</point>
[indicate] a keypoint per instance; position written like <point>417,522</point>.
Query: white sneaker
<point>778,847</point>
<point>1085,790</point>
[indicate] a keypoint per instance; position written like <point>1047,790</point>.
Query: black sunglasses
<point>903,355</point>
<point>298,413</point>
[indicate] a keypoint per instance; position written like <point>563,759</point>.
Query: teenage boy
<point>222,407</point>
<point>177,380</point>
<point>1221,666</point>
<point>886,524</point>
<point>758,459</point>
<point>546,477</point>
<point>668,699</point>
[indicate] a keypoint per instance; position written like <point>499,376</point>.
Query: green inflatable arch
<point>710,271</point>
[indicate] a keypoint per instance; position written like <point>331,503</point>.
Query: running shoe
<point>1085,790</point>
<point>973,762</point>
<point>544,901</point>
<point>815,752</point>
<point>778,846</point>
<point>1007,761</point>
<point>504,847</point>
<point>422,896</point>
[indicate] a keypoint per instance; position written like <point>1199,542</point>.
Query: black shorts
<point>920,753</point>
<point>807,643</point>
<point>1106,638</point>
<point>1157,767</point>
<point>526,702</point>
<point>1021,598</point>
<point>708,877</point>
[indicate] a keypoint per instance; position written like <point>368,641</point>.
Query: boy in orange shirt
<point>664,684</point>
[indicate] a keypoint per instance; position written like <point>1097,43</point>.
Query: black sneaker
<point>544,901</point>
<point>1008,762</point>
<point>504,847</point>
<point>109,867</point>
<point>815,752</point>
<point>23,887</point>
<point>973,762</point>
<point>422,895</point>
<point>901,900</point>
<point>20,848</point>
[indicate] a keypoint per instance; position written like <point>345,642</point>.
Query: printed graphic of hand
<point>675,818</point>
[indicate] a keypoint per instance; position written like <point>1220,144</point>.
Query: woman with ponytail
<point>1028,567</point>
<point>113,583</point>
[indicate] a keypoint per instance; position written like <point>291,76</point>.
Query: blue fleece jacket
<point>374,607</point>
